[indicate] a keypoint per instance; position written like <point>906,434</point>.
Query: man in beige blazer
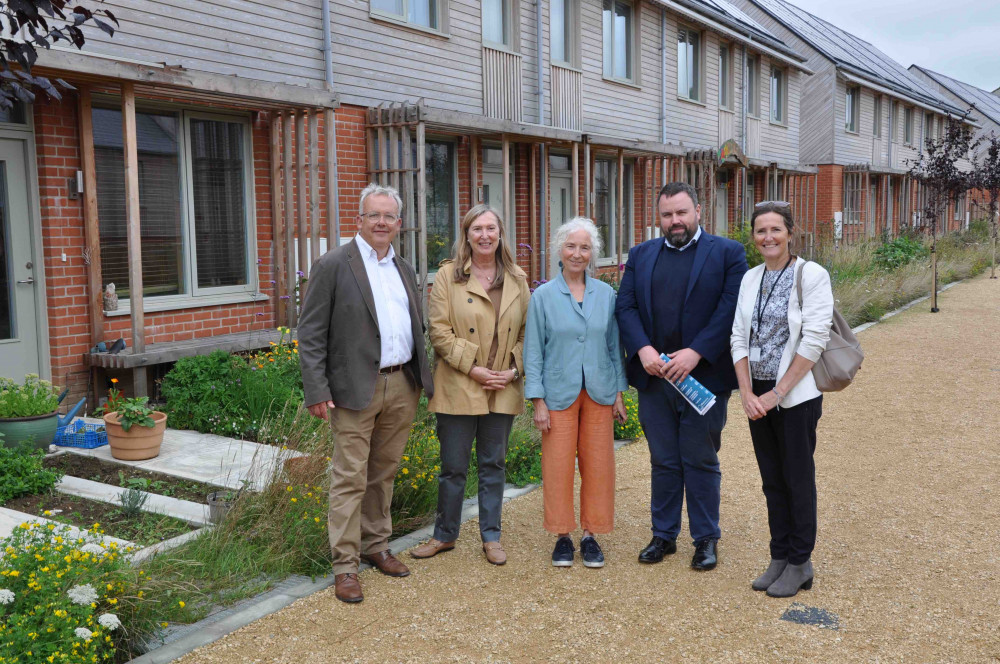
<point>361,349</point>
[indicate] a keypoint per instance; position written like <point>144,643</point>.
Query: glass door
<point>18,330</point>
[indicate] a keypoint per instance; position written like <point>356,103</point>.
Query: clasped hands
<point>492,380</point>
<point>681,363</point>
<point>755,406</point>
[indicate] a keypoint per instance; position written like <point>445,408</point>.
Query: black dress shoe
<point>656,549</point>
<point>705,555</point>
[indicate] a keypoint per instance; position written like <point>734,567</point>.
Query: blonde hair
<point>462,253</point>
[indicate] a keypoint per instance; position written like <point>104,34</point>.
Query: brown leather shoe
<point>347,588</point>
<point>431,548</point>
<point>494,553</point>
<point>386,563</point>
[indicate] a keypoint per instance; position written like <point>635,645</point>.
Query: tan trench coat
<point>461,329</point>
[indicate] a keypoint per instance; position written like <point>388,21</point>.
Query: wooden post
<point>422,210</point>
<point>407,194</point>
<point>313,189</point>
<point>533,219</point>
<point>277,227</point>
<point>621,208</point>
<point>332,180</point>
<point>474,171</point>
<point>134,234</point>
<point>587,181</point>
<point>505,145</point>
<point>300,188</point>
<point>92,230</point>
<point>289,204</point>
<point>575,201</point>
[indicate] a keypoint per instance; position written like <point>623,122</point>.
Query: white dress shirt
<point>392,306</point>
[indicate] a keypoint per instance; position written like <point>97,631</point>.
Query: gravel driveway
<point>907,561</point>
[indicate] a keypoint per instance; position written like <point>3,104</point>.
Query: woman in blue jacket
<point>575,376</point>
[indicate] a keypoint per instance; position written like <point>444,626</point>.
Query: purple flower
<point>253,368</point>
<point>284,297</point>
<point>621,267</point>
<point>300,273</point>
<point>259,261</point>
<point>260,314</point>
<point>271,281</point>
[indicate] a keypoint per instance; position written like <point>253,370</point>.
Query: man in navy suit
<point>678,296</point>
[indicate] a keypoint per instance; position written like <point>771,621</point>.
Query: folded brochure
<point>696,394</point>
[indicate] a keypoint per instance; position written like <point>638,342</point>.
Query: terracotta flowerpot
<point>39,429</point>
<point>138,442</point>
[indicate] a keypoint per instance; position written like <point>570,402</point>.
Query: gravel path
<point>908,558</point>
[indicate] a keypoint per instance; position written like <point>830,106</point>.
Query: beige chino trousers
<point>368,445</point>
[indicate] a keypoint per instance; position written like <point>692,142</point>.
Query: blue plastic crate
<point>81,434</point>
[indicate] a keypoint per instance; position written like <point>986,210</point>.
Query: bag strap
<point>798,280</point>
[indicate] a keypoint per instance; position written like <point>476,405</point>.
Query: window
<point>689,64</point>
<point>563,31</point>
<point>423,13</point>
<point>442,213</point>
<point>877,117</point>
<point>497,22</point>
<point>606,207</point>
<point>194,171</point>
<point>618,37</point>
<point>851,103</point>
<point>928,127</point>
<point>940,127</point>
<point>725,77</point>
<point>852,198</point>
<point>894,121</point>
<point>753,86</point>
<point>493,182</point>
<point>959,211</point>
<point>908,125</point>
<point>14,115</point>
<point>779,95</point>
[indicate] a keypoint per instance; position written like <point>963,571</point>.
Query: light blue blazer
<point>563,344</point>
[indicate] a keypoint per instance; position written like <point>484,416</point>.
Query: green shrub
<point>631,428</point>
<point>23,473</point>
<point>744,236</point>
<point>899,251</point>
<point>34,397</point>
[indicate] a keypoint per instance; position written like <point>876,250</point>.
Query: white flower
<point>92,548</point>
<point>6,596</point>
<point>109,621</point>
<point>83,633</point>
<point>83,595</point>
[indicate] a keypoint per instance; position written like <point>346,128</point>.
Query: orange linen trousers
<point>586,431</point>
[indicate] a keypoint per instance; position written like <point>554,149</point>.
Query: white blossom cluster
<point>83,633</point>
<point>82,595</point>
<point>6,596</point>
<point>109,621</point>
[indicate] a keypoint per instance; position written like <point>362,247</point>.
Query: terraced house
<point>551,109</point>
<point>192,146</point>
<point>864,118</point>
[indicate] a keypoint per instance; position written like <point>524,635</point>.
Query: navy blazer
<point>706,319</point>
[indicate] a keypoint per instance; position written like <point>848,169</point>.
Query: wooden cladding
<point>727,126</point>
<point>567,98</point>
<point>878,152</point>
<point>753,137</point>
<point>501,84</point>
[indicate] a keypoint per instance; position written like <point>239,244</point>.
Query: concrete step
<point>194,513</point>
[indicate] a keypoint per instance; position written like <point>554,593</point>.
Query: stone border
<point>187,638</point>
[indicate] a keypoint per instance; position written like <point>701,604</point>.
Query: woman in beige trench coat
<point>477,310</point>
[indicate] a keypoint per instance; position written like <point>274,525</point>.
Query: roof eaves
<point>930,103</point>
<point>753,32</point>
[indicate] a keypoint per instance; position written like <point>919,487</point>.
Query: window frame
<point>908,126</point>
<point>497,169</point>
<point>928,127</point>
<point>402,20</point>
<point>727,86</point>
<point>852,108</point>
<point>628,210</point>
<point>783,94</point>
<point>633,52</point>
<point>457,219</point>
<point>193,295</point>
<point>877,117</point>
<point>853,193</point>
<point>571,36</point>
<point>751,85</point>
<point>698,63</point>
<point>512,41</point>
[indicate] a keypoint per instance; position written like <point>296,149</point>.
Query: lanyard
<point>760,291</point>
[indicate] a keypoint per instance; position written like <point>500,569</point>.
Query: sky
<point>958,38</point>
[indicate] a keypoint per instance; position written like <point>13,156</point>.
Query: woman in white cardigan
<point>775,344</point>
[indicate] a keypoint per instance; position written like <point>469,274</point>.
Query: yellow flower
<point>406,471</point>
<point>181,604</point>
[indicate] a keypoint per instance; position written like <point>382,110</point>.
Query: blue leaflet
<point>696,394</point>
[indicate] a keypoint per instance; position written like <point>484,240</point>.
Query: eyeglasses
<point>779,204</point>
<point>373,217</point>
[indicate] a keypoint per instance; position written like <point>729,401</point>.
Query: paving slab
<point>205,458</point>
<point>185,510</point>
<point>11,519</point>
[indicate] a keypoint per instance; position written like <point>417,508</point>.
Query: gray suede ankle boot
<point>792,579</point>
<point>774,570</point>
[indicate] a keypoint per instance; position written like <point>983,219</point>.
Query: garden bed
<point>144,529</point>
<point>129,477</point>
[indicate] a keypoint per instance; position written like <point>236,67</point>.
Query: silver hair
<point>571,226</point>
<point>375,189</point>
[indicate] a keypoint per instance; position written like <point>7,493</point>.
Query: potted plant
<point>135,431</point>
<point>221,502</point>
<point>28,411</point>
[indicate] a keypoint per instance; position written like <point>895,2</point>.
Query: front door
<point>18,330</point>
<point>722,210</point>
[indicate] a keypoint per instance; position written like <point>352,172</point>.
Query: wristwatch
<point>517,374</point>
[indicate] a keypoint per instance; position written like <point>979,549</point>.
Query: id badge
<point>755,354</point>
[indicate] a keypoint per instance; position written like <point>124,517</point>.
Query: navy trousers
<point>684,453</point>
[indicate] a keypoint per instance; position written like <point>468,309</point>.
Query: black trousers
<point>784,442</point>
